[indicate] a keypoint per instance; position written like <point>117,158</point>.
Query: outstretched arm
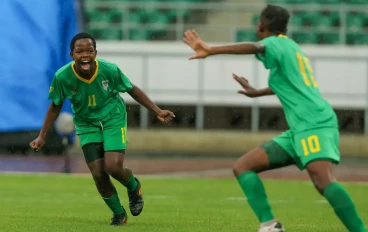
<point>249,90</point>
<point>202,50</point>
<point>139,96</point>
<point>258,92</point>
<point>123,84</point>
<point>51,116</point>
<point>238,49</point>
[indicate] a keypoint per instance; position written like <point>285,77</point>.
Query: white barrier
<point>165,73</point>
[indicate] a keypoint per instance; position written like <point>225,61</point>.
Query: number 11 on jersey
<point>92,100</point>
<point>309,79</point>
<point>123,134</point>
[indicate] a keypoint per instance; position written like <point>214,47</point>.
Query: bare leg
<point>255,160</point>
<point>114,162</point>
<point>246,170</point>
<point>101,178</point>
<point>107,190</point>
<point>320,172</point>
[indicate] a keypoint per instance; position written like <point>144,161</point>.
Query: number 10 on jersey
<point>311,145</point>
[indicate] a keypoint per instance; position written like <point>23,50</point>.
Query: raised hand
<point>247,90</point>
<point>192,39</point>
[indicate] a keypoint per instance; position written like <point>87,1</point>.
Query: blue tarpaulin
<point>34,43</point>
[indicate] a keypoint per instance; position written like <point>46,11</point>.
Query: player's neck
<point>88,75</point>
<point>269,34</point>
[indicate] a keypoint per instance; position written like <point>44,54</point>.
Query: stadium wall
<point>164,72</point>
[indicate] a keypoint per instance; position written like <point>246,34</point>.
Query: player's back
<point>292,80</point>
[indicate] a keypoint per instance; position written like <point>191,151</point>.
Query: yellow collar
<point>85,80</point>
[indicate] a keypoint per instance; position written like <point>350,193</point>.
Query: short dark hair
<point>276,18</point>
<point>82,35</point>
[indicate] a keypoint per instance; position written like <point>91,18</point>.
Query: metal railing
<point>230,27</point>
<point>200,103</point>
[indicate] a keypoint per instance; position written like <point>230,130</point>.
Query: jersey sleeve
<point>122,83</point>
<point>56,92</point>
<point>271,57</point>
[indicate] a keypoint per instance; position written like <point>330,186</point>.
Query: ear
<point>262,27</point>
<point>96,52</point>
<point>71,55</point>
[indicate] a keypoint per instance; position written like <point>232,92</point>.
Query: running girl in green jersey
<point>99,113</point>
<point>311,143</point>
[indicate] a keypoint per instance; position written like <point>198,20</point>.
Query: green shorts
<point>303,147</point>
<point>111,131</point>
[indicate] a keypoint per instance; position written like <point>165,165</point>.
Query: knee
<point>255,161</point>
<point>240,167</point>
<point>236,168</point>
<point>321,181</point>
<point>320,173</point>
<point>99,175</point>
<point>113,167</point>
<point>320,185</point>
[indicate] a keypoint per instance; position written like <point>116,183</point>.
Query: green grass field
<point>38,203</point>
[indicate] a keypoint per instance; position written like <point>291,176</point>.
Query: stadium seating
<point>145,23</point>
<point>307,26</point>
<point>245,36</point>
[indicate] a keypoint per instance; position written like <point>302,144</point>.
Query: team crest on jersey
<point>105,84</point>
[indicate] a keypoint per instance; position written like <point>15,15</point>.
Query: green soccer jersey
<point>91,99</point>
<point>291,79</point>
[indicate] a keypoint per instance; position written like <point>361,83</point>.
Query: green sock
<point>254,191</point>
<point>344,207</point>
<point>131,184</point>
<point>114,204</point>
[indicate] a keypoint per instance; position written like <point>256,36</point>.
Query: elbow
<point>55,108</point>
